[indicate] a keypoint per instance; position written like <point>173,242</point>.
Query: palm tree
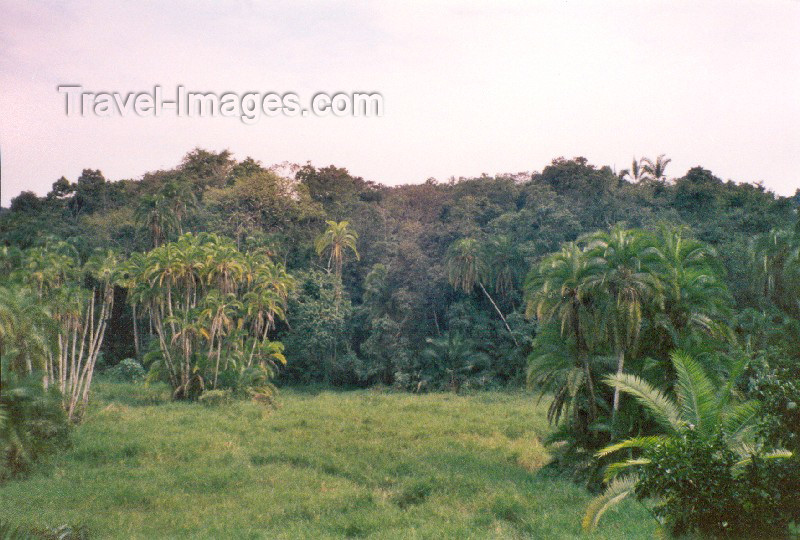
<point>698,407</point>
<point>635,173</point>
<point>696,301</point>
<point>26,331</point>
<point>130,273</point>
<point>556,291</point>
<point>220,310</point>
<point>626,282</point>
<point>224,267</point>
<point>655,169</point>
<point>776,259</point>
<point>466,267</point>
<point>191,289</point>
<point>155,215</point>
<point>503,273</point>
<point>179,197</point>
<point>337,239</point>
<point>452,356</point>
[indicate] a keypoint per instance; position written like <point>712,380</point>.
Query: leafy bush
<point>129,370</point>
<point>692,478</point>
<point>704,488</point>
<point>32,424</point>
<point>706,471</point>
<point>779,391</point>
<point>215,397</point>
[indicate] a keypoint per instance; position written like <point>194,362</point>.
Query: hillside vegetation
<point>656,318</point>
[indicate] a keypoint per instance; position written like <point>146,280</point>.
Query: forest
<point>654,318</point>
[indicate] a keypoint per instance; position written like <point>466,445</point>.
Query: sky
<point>468,87</point>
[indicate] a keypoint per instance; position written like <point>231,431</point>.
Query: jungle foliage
<point>608,293</point>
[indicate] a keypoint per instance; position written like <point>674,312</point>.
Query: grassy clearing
<point>324,465</point>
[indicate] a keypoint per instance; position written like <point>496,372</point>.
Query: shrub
<point>705,471</point>
<point>32,424</point>
<point>703,488</point>
<point>129,370</point>
<point>779,391</point>
<point>215,397</point>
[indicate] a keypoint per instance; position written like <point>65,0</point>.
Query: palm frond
<point>613,470</point>
<point>696,395</point>
<point>740,418</point>
<point>775,454</point>
<point>617,490</point>
<point>664,409</point>
<point>642,443</point>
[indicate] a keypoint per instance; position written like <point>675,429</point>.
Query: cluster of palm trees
<point>617,302</point>
<point>51,321</point>
<point>210,308</point>
<point>647,315</point>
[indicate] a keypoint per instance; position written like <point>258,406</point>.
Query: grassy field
<point>323,465</point>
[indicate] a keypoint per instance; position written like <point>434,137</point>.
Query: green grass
<point>323,465</point>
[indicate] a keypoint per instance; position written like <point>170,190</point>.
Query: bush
<point>702,491</point>
<point>32,424</point>
<point>216,397</point>
<point>129,370</point>
<point>779,391</point>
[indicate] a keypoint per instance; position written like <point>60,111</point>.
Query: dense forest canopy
<point>398,293</point>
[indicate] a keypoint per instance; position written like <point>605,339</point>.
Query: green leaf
<point>617,490</point>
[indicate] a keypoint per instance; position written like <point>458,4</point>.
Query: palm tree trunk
<point>135,333</point>
<point>219,354</point>
<point>497,309</point>
<point>583,355</point>
<point>620,367</point>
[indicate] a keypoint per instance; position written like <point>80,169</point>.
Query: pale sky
<point>469,88</point>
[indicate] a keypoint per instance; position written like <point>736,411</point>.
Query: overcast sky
<point>468,88</point>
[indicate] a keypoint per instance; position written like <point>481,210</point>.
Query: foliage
<point>450,360</point>
<point>129,370</point>
<point>510,222</point>
<point>693,464</point>
<point>54,314</point>
<point>319,330</point>
<point>623,298</point>
<point>32,423</point>
<point>204,298</point>
<point>336,241</point>
<point>703,488</point>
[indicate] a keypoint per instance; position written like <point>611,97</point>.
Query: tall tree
<point>154,215</point>
<point>556,290</point>
<point>655,170</point>
<point>636,173</point>
<point>337,239</point>
<point>467,267</point>
<point>626,281</point>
